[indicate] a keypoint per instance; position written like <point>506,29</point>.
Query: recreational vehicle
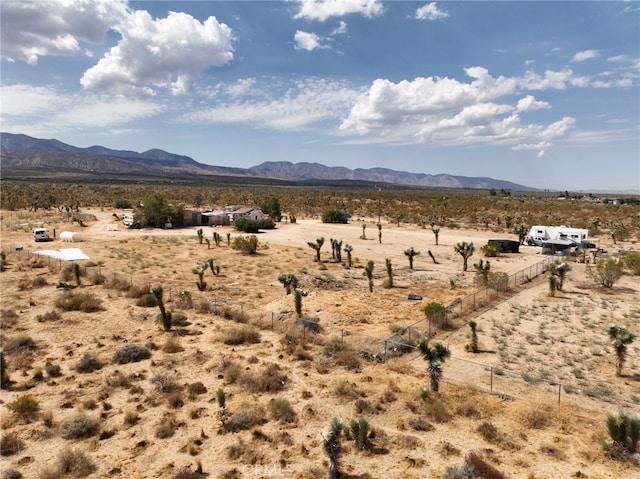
<point>539,234</point>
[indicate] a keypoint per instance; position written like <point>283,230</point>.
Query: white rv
<point>539,234</point>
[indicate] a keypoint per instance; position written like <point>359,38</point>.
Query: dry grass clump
<point>88,363</point>
<point>175,400</point>
<point>269,379</point>
<point>131,353</point>
<point>118,380</point>
<point>53,370</point>
<point>8,318</point>
<point>196,388</point>
<point>82,301</point>
<point>25,407</point>
<point>537,416</point>
<point>52,315</point>
<point>172,344</point>
<point>488,432</point>
<point>78,426</point>
<point>147,300</point>
<point>246,417</point>
<point>10,444</point>
<point>346,389</point>
<point>166,427</point>
<point>281,410</point>
<point>186,473</point>
<point>165,384</point>
<point>235,335</point>
<point>231,371</point>
<point>72,463</point>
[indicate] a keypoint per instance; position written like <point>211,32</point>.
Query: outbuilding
<point>505,245</point>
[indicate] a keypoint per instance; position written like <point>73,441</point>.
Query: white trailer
<point>539,234</point>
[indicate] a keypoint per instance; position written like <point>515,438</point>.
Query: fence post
<point>559,391</point>
<point>271,320</point>
<point>342,336</point>
<point>385,349</point>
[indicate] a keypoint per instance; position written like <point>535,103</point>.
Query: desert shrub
<point>245,418</point>
<point>488,432</point>
<point>179,319</point>
<point>491,250</point>
<point>247,245</point>
<point>72,463</point>
<point>624,431</point>
<point>196,388</point>
<point>235,335</point>
<point>147,300</point>
<point>186,473</point>
<point>269,379</point>
<point>131,417</point>
<point>88,363</point>
<point>465,471</point>
<point>231,371</point>
<point>11,473</point>
<point>97,278</point>
<point>131,353</point>
<point>538,417</point>
<point>335,216</point>
<point>83,301</point>
<point>25,407</point>
<point>78,426</point>
<point>172,345</point>
<point>346,389</point>
<point>118,380</point>
<point>8,318</point>
<point>203,307</point>
<point>52,315</point>
<point>631,261</point>
<point>482,467</point>
<point>53,370</point>
<point>19,343</point>
<point>10,444</point>
<point>165,384</point>
<point>175,400</point>
<point>436,410</point>
<point>281,410</point>
<point>39,282</point>
<point>166,428</point>
<point>420,424</point>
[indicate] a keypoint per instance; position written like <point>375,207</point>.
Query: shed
<point>506,245</point>
<point>558,246</point>
<point>70,237</point>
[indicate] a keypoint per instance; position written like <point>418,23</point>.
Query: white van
<point>41,234</point>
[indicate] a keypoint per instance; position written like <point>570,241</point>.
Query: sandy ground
<point>560,340</point>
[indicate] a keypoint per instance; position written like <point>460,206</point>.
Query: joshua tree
<point>435,357</point>
<point>482,271</point>
<point>200,234</point>
<point>221,396</point>
<point>554,284</point>
<point>348,249</point>
<point>560,270</point>
<point>228,239</point>
<point>158,292</point>
<point>77,273</point>
<point>411,253</point>
<point>199,270</point>
<point>360,432</point>
<point>521,230</point>
<point>364,227</point>
<point>379,233</point>
<point>465,250</point>
<point>389,267</point>
<point>216,238</point>
<point>297,301</point>
<point>289,281</point>
<point>436,233</point>
<point>4,375</point>
<point>369,272</point>
<point>624,430</point>
<point>620,337</point>
<point>331,443</point>
<point>316,246</point>
<point>432,257</point>
<point>339,251</point>
<point>434,310</point>
<point>215,269</point>
<point>473,346</point>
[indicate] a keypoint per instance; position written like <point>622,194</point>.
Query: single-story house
<point>215,218</point>
<point>238,211</point>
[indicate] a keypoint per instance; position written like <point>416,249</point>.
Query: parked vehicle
<point>40,235</point>
<point>539,234</point>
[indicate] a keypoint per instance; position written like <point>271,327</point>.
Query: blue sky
<point>545,94</point>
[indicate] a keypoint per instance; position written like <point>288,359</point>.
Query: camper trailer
<point>41,234</point>
<point>539,234</point>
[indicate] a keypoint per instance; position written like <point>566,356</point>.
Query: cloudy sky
<point>544,94</point>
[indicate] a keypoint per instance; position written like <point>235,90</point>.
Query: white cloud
<point>47,110</point>
<point>530,103</point>
<point>302,105</point>
<point>323,9</point>
<point>168,52</point>
<point>449,111</point>
<point>35,28</point>
<point>585,55</point>
<point>306,41</point>
<point>341,29</point>
<point>430,11</point>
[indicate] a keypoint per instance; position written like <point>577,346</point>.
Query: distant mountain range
<point>25,157</point>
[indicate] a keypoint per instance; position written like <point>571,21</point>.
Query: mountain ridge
<point>26,156</point>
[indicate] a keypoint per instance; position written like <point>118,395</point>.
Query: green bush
<point>335,216</point>
<point>281,410</point>
<point>241,334</point>
<point>269,379</point>
<point>78,426</point>
<point>131,353</point>
<point>245,244</point>
<point>245,418</point>
<point>147,300</point>
<point>631,261</point>
<point>247,225</point>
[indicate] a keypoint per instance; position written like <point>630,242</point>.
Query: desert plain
<point>532,401</point>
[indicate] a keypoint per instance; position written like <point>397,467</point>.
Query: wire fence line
<point>495,380</point>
